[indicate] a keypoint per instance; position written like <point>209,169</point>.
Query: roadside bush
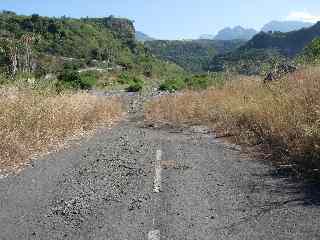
<point>89,78</point>
<point>197,82</point>
<point>71,79</point>
<point>124,78</point>
<point>135,85</point>
<point>172,85</point>
<point>3,79</point>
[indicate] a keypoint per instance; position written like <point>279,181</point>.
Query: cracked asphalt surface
<point>102,188</point>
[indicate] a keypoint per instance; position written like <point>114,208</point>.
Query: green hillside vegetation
<point>73,38</point>
<point>53,45</point>
<point>193,55</point>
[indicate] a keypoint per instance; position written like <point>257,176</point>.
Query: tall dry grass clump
<point>282,116</point>
<point>30,122</point>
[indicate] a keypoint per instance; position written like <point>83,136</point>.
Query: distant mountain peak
<point>238,32</point>
<point>238,28</point>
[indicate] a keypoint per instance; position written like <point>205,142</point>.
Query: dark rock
<point>280,72</point>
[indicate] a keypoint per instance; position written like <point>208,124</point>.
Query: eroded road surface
<point>138,183</point>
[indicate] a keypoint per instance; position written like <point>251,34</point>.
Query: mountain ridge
<point>264,50</point>
<point>142,37</point>
<point>288,44</point>
<point>285,26</point>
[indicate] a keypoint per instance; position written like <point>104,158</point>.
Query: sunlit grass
<point>31,122</point>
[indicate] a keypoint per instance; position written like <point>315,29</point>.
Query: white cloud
<point>304,16</point>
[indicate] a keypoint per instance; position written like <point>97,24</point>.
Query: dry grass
<point>283,116</point>
<point>31,123</point>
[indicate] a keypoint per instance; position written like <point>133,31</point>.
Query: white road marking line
<point>3,176</point>
<point>154,235</point>
<point>157,177</point>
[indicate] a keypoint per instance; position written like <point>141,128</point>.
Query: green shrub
<point>124,78</point>
<point>73,65</point>
<point>135,85</point>
<point>70,79</point>
<point>172,85</point>
<point>198,82</point>
<point>195,82</point>
<point>89,79</point>
<point>3,79</point>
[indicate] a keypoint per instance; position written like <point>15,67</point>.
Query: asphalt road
<point>132,183</point>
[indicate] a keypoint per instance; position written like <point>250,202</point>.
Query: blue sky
<point>176,19</point>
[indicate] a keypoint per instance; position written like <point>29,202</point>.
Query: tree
<point>19,53</point>
<point>9,48</point>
